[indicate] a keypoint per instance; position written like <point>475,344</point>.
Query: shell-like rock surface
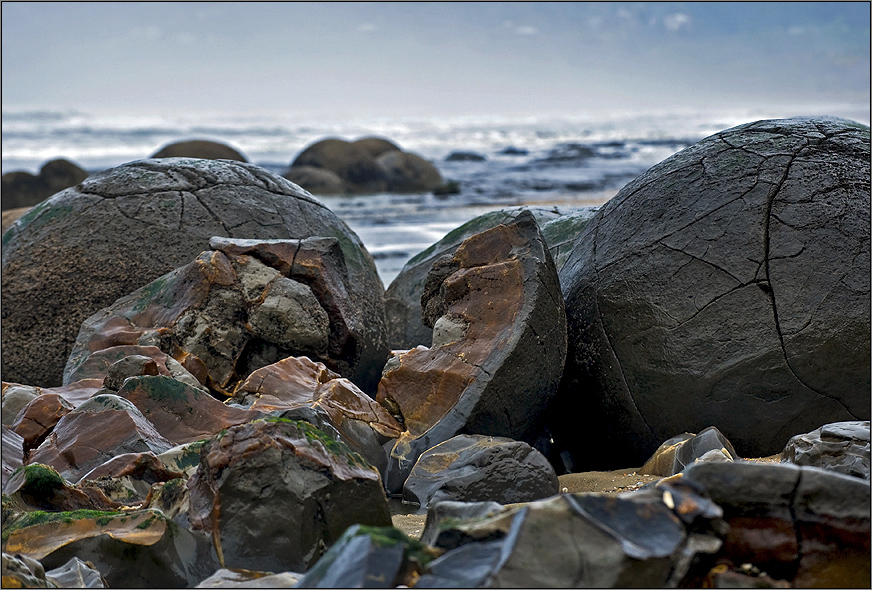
<point>87,246</point>
<point>726,286</point>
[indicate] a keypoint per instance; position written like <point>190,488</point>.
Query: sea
<point>568,163</point>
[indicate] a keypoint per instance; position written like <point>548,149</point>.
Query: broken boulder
<point>841,447</point>
<point>685,449</point>
<point>496,306</point>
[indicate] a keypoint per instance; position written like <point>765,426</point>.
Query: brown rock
<point>409,173</point>
<point>23,189</point>
<point>352,163</point>
<point>498,346</point>
<point>39,417</point>
<point>40,487</point>
<point>199,148</point>
<point>75,393</point>
<point>376,146</point>
<point>318,181</point>
<point>284,384</point>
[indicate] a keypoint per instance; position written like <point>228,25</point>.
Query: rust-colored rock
<point>179,412</point>
<point>39,417</point>
<point>101,428</point>
<point>284,384</point>
<point>284,481</point>
<point>76,393</point>
<point>499,342</point>
<point>241,306</point>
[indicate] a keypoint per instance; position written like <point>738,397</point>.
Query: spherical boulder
<point>352,163</point>
<point>199,148</point>
<point>318,181</point>
<point>23,189</point>
<point>376,146</point>
<point>726,286</point>
<point>122,228</point>
<point>409,173</point>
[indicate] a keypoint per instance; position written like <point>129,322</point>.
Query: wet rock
<point>13,453</point>
<point>807,525</point>
<point>15,398</point>
<point>199,148</point>
<point>184,458</point>
<point>475,468</point>
<point>76,393</point>
<point>76,574</point>
<point>289,382</point>
<point>568,541</point>
<point>408,173</point>
<point>437,529</point>
<point>352,163</point>
<point>498,378</point>
<point>132,549</point>
<point>40,487</point>
<point>57,272</point>
<point>20,571</point>
<point>129,477</point>
<point>228,578</point>
<point>318,181</point>
<point>284,481</point>
<point>369,557</point>
<point>179,412</point>
<point>704,292</point>
<point>173,499</point>
<point>23,189</point>
<point>841,447</point>
<point>680,451</point>
<point>403,296</point>
<point>240,306</point>
<point>465,157</point>
<point>97,364</point>
<point>101,428</point>
<point>39,417</point>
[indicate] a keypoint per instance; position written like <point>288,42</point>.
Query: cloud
<point>676,21</point>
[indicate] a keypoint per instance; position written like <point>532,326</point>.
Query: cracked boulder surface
<point>244,305</point>
<point>841,447</point>
<point>726,286</point>
<point>85,247</point>
<point>403,296</point>
<point>286,482</point>
<point>496,363</point>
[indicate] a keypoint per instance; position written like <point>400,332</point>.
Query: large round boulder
<point>199,148</point>
<point>352,163</point>
<point>23,189</point>
<point>726,286</point>
<point>122,228</point>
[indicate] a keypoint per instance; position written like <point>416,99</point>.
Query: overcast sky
<point>336,60</point>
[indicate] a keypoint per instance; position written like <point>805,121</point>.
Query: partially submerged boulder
<point>285,481</point>
<point>70,257</point>
<point>476,468</point>
<point>199,148</point>
<point>496,306</point>
<point>729,281</point>
<point>241,306</point>
<point>23,189</point>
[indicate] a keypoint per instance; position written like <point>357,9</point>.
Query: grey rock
<point>290,316</point>
<point>408,173</point>
<point>13,453</point>
<point>226,578</point>
<point>22,571</point>
<point>15,397</point>
<point>841,446</point>
<point>475,468</point>
<point>130,366</point>
<point>674,455</point>
<point>317,181</point>
<point>23,189</point>
<point>436,530</point>
<point>76,574</point>
<point>728,282</point>
<point>57,271</point>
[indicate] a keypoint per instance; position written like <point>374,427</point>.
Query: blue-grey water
<point>565,163</point>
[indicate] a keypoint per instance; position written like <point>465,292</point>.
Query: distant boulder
<point>23,189</point>
<point>199,148</point>
<point>366,166</point>
<point>464,157</point>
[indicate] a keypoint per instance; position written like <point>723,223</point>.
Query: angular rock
<point>76,574</point>
<point>40,487</point>
<point>403,296</point>
<point>134,549</point>
<point>97,365</point>
<point>13,453</point>
<point>39,417</point>
<point>289,382</point>
<point>57,271</point>
<point>23,189</point>
<point>500,298</point>
<point>685,449</point>
<point>15,398</point>
<point>841,447</point>
<point>184,458</point>
<point>369,557</point>
<point>199,148</point>
<point>284,481</point>
<point>226,578</point>
<point>436,530</point>
<point>74,393</point>
<point>101,428</point>
<point>179,412</point>
<point>475,468</point>
<point>729,281</point>
<point>807,525</point>
<point>129,477</point>
<point>20,571</point>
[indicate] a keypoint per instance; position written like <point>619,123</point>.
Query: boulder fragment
<point>841,447</point>
<point>685,449</point>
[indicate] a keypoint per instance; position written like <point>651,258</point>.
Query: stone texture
<point>131,475</point>
<point>198,148</point>
<point>475,468</point>
<point>39,417</point>
<point>20,571</point>
<point>40,487</point>
<point>502,286</point>
<point>135,549</point>
<point>23,189</point>
<point>727,285</point>
<point>101,428</point>
<point>685,449</point>
<point>96,365</point>
<point>403,296</point>
<point>70,257</point>
<point>317,181</point>
<point>807,525</point>
<point>440,514</point>
<point>226,578</point>
<point>841,447</point>
<point>13,453</point>
<point>284,481</point>
<point>15,398</point>
<point>76,574</point>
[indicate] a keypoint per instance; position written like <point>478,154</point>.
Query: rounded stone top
<point>200,148</point>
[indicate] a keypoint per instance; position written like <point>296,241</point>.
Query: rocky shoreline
<point>206,383</point>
